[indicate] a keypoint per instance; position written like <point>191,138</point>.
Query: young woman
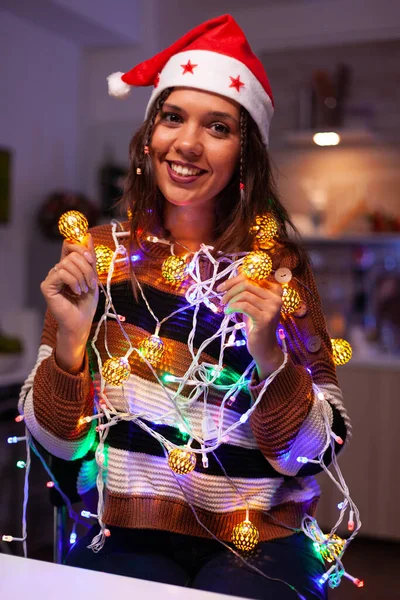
<point>203,411</point>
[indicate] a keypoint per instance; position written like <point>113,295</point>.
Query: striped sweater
<point>260,456</point>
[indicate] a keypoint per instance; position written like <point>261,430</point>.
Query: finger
<point>75,264</point>
<point>226,285</point>
<point>246,285</point>
<point>245,308</point>
<point>86,248</point>
<point>229,283</point>
<point>270,305</point>
<point>60,277</point>
<point>86,277</point>
<point>90,247</point>
<point>70,246</point>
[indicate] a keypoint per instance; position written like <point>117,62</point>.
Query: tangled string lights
<point>201,376</point>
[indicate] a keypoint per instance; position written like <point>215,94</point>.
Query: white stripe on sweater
<point>44,352</point>
<point>309,442</point>
<point>140,474</point>
<point>148,399</point>
<point>312,436</point>
<point>66,450</point>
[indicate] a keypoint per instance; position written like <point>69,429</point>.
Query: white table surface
<point>24,578</point>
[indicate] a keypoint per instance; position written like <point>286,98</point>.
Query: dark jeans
<point>205,564</point>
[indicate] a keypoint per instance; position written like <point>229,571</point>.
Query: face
<point>195,146</point>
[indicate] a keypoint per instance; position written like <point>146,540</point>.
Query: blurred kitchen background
<point>334,67</point>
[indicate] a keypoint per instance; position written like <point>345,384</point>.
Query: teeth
<point>185,171</point>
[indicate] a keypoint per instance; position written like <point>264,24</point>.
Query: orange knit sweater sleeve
<point>53,401</point>
<point>288,419</point>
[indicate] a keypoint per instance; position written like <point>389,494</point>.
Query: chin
<point>183,197</point>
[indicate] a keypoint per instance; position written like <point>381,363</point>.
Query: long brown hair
<point>235,209</point>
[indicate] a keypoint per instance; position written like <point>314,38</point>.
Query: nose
<point>188,142</point>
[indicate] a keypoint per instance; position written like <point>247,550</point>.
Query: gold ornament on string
<point>174,269</point>
<point>264,230</point>
<point>257,265</point>
<point>245,536</point>
<point>152,348</point>
<point>290,299</point>
<point>116,371</point>
<point>331,549</point>
<point>73,225</point>
<point>342,351</point>
<point>181,461</point>
<point>104,256</point>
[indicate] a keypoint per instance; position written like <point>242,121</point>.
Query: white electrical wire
<point>201,377</point>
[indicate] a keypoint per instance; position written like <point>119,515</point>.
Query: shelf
<point>348,136</point>
<point>354,239</point>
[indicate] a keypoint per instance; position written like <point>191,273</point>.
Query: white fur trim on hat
<point>117,87</point>
<point>213,72</point>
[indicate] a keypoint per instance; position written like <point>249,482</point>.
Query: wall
<point>283,24</point>
<point>107,124</point>
<point>39,123</point>
<point>346,172</point>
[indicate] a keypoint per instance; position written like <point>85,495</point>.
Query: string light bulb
<point>73,225</point>
<point>290,299</point>
<point>72,538</point>
<point>174,269</point>
<point>152,348</point>
<point>245,536</point>
<point>332,548</point>
<point>104,256</point>
<point>181,461</point>
<point>116,371</point>
<point>342,351</point>
<point>264,230</point>
<point>257,265</point>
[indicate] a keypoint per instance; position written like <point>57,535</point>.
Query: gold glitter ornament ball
<point>73,225</point>
<point>264,229</point>
<point>116,371</point>
<point>152,348</point>
<point>342,351</point>
<point>174,269</point>
<point>181,461</point>
<point>333,549</point>
<point>245,536</point>
<point>290,300</point>
<point>257,265</point>
<point>104,256</point>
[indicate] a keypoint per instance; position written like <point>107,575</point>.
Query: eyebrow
<point>213,113</point>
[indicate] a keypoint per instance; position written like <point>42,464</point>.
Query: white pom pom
<point>117,87</point>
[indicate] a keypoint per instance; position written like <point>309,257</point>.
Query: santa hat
<point>215,57</point>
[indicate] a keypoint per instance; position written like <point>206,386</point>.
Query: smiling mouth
<point>185,171</point>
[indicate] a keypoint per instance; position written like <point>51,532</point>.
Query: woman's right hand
<point>71,291</point>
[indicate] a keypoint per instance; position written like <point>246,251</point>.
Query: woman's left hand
<point>261,308</point>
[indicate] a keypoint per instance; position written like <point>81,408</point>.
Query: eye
<point>220,128</point>
<point>170,117</point>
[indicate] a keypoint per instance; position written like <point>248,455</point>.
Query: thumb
<point>248,321</point>
<point>90,246</point>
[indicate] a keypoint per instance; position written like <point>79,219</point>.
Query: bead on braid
<point>243,144</point>
<point>156,109</point>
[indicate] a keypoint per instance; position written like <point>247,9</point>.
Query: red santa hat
<point>215,57</point>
